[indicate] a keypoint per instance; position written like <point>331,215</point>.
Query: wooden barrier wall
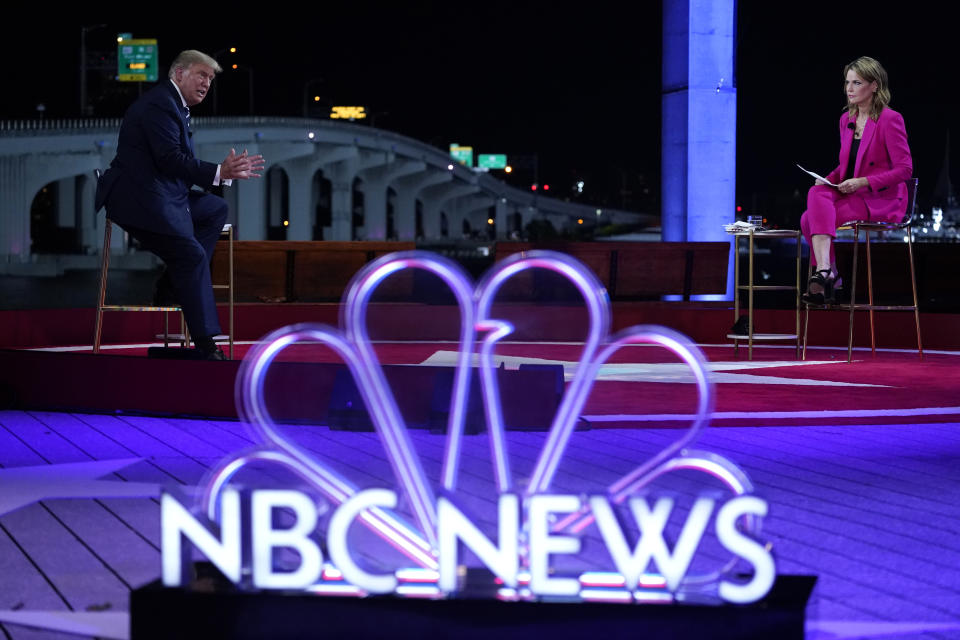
<point>286,271</point>
<point>281,271</point>
<point>644,270</point>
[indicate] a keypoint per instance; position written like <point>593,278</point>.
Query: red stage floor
<point>646,386</point>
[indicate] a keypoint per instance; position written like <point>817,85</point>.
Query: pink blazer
<point>883,158</point>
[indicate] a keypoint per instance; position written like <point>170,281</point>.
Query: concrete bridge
<point>326,180</point>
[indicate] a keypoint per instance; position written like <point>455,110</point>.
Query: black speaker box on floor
<point>530,397</point>
<point>347,411</point>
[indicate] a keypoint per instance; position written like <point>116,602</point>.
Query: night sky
<point>580,87</point>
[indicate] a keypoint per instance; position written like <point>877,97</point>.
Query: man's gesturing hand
<point>241,166</point>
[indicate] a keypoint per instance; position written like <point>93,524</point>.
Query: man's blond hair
<point>189,57</point>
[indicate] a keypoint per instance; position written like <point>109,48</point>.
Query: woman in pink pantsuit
<point>870,180</point>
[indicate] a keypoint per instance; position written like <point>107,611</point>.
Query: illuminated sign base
<point>212,607</point>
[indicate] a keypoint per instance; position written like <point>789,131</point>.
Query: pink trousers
<point>827,209</point>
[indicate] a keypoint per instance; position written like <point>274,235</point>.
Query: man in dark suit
<point>147,190</point>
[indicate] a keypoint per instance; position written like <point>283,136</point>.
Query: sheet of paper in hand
<point>818,177</point>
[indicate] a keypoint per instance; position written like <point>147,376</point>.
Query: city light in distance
<point>489,220</point>
<point>508,169</point>
<point>579,220</point>
<point>348,113</point>
<point>579,186</point>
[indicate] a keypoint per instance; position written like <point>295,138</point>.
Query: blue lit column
<point>699,125</point>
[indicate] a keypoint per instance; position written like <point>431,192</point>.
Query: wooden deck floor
<point>871,510</point>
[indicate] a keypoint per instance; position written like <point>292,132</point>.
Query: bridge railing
<point>21,127</point>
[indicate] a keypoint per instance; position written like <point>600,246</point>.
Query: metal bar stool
<point>751,288</point>
<point>183,337</point>
<point>867,227</point>
<point>102,293</point>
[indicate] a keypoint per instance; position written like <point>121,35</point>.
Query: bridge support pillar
<point>251,198</point>
<point>300,206</point>
<point>376,181</point>
<point>434,199</point>
<point>89,241</point>
<point>14,210</point>
<point>500,219</point>
<point>472,208</point>
<point>405,209</point>
<point>341,176</point>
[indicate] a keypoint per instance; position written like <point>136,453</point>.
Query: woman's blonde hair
<point>871,71</point>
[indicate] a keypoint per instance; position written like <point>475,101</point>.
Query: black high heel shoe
<point>820,288</point>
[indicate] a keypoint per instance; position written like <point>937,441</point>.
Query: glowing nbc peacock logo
<point>528,522</point>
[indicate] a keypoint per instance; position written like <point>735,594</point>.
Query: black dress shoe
<point>216,354</point>
<point>741,327</point>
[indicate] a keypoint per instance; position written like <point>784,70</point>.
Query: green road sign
<point>492,161</point>
<point>463,155</point>
<point>137,60</point>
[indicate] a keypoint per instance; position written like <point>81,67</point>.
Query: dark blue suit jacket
<point>148,183</point>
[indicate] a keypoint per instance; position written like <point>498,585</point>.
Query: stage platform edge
<point>294,392</point>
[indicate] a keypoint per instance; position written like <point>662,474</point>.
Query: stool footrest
<point>136,307</point>
<point>859,307</point>
<point>179,337</point>
<point>762,336</point>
